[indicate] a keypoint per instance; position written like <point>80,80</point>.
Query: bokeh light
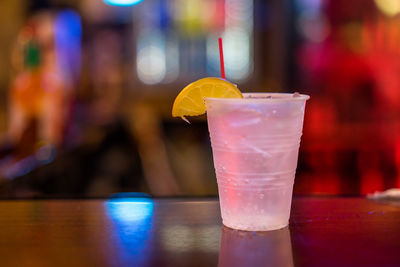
<point>151,58</point>
<point>67,35</point>
<point>237,53</point>
<point>388,7</point>
<point>122,2</point>
<point>130,210</point>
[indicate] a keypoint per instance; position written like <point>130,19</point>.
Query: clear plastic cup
<point>255,143</point>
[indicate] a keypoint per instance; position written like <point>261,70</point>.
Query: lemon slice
<point>190,101</point>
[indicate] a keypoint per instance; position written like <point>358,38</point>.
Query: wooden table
<point>188,232</point>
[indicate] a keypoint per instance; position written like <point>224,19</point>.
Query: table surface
<point>188,232</point>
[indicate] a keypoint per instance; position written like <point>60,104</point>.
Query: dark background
<point>111,73</point>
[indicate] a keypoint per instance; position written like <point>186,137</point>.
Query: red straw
<point>221,58</point>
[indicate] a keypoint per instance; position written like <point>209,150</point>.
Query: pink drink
<point>255,143</point>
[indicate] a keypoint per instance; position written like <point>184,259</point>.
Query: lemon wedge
<point>190,101</point>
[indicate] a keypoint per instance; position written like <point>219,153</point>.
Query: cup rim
<point>263,98</point>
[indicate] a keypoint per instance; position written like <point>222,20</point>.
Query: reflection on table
<point>241,248</point>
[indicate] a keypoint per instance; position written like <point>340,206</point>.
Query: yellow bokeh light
<point>388,7</point>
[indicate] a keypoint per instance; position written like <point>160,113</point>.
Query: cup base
<point>255,228</point>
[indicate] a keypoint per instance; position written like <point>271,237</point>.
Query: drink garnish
<point>190,101</point>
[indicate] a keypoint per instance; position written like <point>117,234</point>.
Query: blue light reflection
<point>122,2</point>
<point>130,210</point>
<point>132,221</point>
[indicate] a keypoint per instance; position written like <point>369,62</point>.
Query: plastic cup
<point>255,143</point>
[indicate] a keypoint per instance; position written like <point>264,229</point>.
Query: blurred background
<point>86,90</point>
